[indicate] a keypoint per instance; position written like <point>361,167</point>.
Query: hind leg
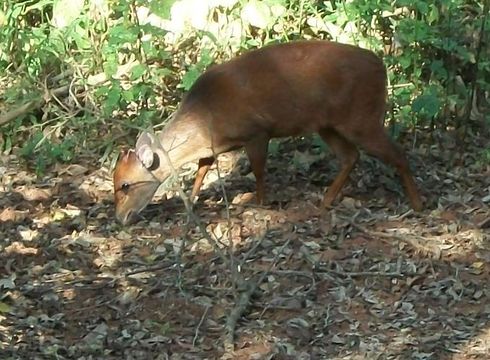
<point>380,146</point>
<point>257,154</point>
<point>347,154</point>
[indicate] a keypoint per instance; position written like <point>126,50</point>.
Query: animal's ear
<point>145,138</point>
<point>145,150</point>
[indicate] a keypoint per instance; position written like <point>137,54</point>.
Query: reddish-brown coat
<point>335,90</point>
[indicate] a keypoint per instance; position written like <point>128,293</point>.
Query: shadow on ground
<point>366,279</point>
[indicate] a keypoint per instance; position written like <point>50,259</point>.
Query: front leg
<point>203,167</point>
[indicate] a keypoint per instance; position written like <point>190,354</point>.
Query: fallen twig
<point>196,332</point>
<point>367,273</point>
<point>31,105</point>
<point>188,206</point>
<point>148,268</point>
<point>243,302</point>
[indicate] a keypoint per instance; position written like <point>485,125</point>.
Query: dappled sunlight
<point>218,276</point>
<point>367,276</point>
<point>477,346</point>
<point>351,279</point>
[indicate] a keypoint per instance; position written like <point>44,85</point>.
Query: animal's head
<point>134,182</point>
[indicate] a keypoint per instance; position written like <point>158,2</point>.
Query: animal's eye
<point>125,187</point>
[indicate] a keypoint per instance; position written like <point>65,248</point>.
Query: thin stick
<point>196,332</point>
<point>244,301</point>
<point>31,105</point>
<point>367,273</point>
<point>188,207</point>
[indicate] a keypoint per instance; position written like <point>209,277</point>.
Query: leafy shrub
<point>124,64</point>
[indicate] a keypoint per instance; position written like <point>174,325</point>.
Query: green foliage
<point>196,70</point>
<point>436,50</point>
<point>128,61</point>
<point>486,156</point>
<point>427,103</point>
<point>273,148</point>
<point>43,152</point>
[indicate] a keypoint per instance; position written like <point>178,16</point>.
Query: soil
<point>367,279</point>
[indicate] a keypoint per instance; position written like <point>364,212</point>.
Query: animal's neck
<point>184,141</point>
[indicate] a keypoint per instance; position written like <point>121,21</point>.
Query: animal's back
<point>289,89</point>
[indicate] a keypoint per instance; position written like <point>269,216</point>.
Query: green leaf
<point>4,308</point>
<point>78,34</point>
<point>275,2</point>
<point>113,97</point>
<point>128,95</point>
<point>190,77</point>
<point>38,5</point>
<point>31,144</point>
<point>405,61</point>
<point>253,43</point>
<point>396,129</point>
<point>160,73</point>
<point>138,71</point>
<point>274,147</point>
<point>210,35</point>
<point>121,34</point>
<point>438,70</point>
<point>319,143</point>
<point>428,104</point>
<point>433,15</point>
<point>196,70</point>
<point>3,18</point>
<point>102,91</point>
<point>145,117</point>
<point>206,59</point>
<point>8,282</point>
<point>110,65</point>
<point>422,7</point>
<point>17,9</point>
<point>153,52</point>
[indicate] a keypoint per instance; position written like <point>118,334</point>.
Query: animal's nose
<point>124,218</point>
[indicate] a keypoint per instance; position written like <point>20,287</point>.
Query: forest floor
<point>367,279</point>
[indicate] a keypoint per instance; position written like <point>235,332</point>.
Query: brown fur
<point>335,90</point>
